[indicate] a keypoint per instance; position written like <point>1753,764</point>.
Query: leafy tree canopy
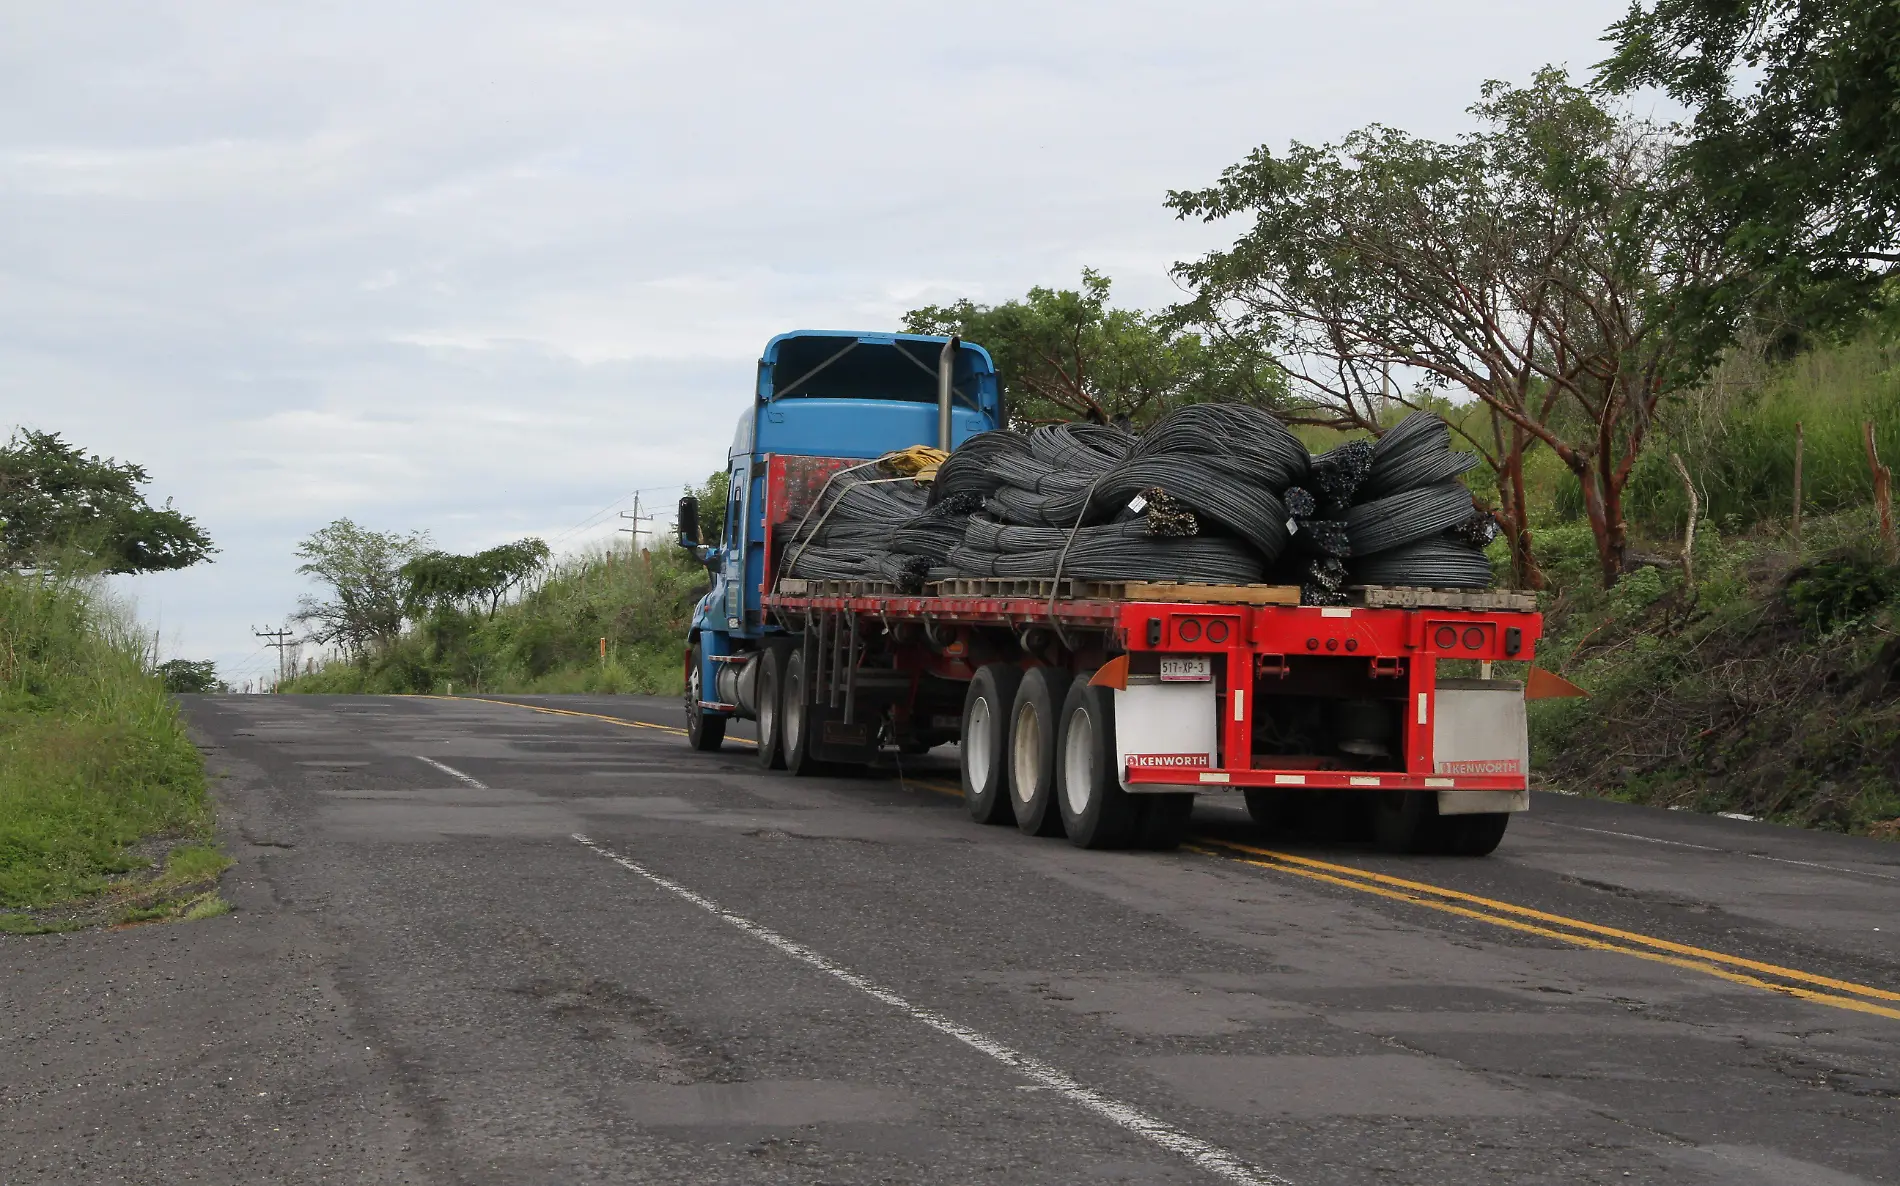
<point>1538,263</point>
<point>436,579</point>
<point>191,675</point>
<point>55,498</point>
<point>1796,141</point>
<point>1066,354</point>
<point>363,571</point>
<point>712,505</point>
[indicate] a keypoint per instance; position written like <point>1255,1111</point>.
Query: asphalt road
<point>474,942</point>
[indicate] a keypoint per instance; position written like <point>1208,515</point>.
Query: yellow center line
<point>940,788</point>
<point>1282,859</point>
<point>1707,969</point>
<point>1399,889</point>
<point>592,716</point>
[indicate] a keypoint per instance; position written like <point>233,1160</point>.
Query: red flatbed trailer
<point>1215,688</point>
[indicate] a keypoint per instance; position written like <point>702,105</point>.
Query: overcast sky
<point>485,269</point>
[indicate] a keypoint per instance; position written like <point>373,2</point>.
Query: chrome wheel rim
<point>1025,744</point>
<point>1078,762</point>
<point>794,702</point>
<point>977,752</point>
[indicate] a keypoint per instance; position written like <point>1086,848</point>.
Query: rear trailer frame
<point>1264,668</point>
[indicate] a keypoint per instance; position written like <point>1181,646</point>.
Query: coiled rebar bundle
<point>1416,452</point>
<point>1123,558</point>
<point>1397,519</point>
<point>1432,563</point>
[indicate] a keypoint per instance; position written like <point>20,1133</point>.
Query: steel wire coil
<point>1224,489</point>
<point>987,535</point>
<point>1080,448</point>
<point>1409,515</point>
<point>1143,558</point>
<point>849,564</point>
<point>1416,452</point>
<point>968,468</point>
<point>1432,563</point>
<point>1274,456</point>
<point>926,535</point>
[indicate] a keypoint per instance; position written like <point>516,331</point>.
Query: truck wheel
<point>797,724</point>
<point>1474,835</point>
<point>1408,822</point>
<point>704,733</point>
<point>1096,811</point>
<point>1032,751</point>
<point>771,679</point>
<point>986,708</point>
<point>1164,820</point>
<point>1276,812</point>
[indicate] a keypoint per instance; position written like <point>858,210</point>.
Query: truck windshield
<point>847,368</point>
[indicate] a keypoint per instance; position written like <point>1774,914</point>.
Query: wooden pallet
<point>1074,590</point>
<point>1198,593</point>
<point>1383,597</point>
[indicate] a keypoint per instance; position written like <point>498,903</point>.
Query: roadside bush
<point>93,755</point>
<point>1838,588</point>
<point>547,641</point>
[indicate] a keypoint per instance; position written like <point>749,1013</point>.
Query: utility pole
<point>637,518</point>
<point>282,641</point>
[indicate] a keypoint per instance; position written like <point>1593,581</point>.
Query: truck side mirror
<point>689,522</point>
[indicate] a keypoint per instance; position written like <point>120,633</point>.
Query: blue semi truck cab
<point>820,394</point>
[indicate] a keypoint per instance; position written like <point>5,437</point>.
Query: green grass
<point>93,755</point>
<point>1771,687</point>
<point>549,640</point>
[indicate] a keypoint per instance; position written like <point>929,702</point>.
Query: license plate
<point>1186,669</point>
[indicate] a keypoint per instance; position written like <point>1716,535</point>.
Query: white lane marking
<point>452,772</point>
<point>1759,856</point>
<point>1211,1158</point>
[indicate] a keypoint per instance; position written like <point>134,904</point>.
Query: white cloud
<point>481,268</point>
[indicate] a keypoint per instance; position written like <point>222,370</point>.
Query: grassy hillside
<point>1771,686</point>
<point>102,794</point>
<point>547,641</point>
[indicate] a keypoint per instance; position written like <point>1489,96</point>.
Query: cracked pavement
<point>427,978</point>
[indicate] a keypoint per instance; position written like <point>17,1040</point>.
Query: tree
<point>1531,264</point>
<point>191,675</point>
<point>1794,147</point>
<point>363,570</point>
<point>436,579</point>
<point>1065,354</point>
<point>712,505</point>
<point>56,498</point>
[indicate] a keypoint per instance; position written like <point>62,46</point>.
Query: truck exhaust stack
<point>946,376</point>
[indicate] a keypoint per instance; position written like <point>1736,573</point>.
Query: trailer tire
<point>1475,835</point>
<point>1277,812</point>
<point>703,733</point>
<point>1164,820</point>
<point>1408,822</point>
<point>798,725</point>
<point>1033,723</point>
<point>1096,811</point>
<point>771,678</point>
<point>985,749</point>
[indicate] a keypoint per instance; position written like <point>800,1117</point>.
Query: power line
<point>593,519</point>
<point>281,639</point>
